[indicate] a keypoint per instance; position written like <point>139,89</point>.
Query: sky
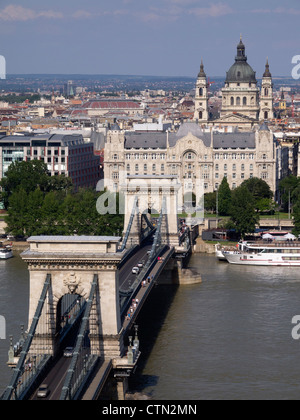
<point>147,37</point>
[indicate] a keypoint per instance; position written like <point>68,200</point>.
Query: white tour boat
<point>5,252</point>
<point>222,251</point>
<point>277,253</point>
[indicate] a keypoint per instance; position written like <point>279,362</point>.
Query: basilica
<point>244,104</point>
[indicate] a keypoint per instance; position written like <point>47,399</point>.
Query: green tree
<point>289,188</point>
<point>242,212</point>
<point>24,175</point>
<point>296,214</point>
<point>224,198</point>
<point>210,202</point>
<point>259,190</point>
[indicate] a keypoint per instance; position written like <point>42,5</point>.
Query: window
<point>232,100</point>
<point>238,100</point>
<point>242,167</point>
<point>244,100</point>
<point>234,167</point>
<point>234,175</point>
<point>115,156</point>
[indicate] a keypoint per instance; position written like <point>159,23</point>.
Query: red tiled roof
<point>111,104</point>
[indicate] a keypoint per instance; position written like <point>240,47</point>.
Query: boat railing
<point>281,244</point>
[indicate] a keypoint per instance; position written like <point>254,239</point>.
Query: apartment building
<point>63,154</point>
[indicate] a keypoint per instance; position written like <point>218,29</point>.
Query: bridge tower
<point>72,262</point>
<point>145,195</point>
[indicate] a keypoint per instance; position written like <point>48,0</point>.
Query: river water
<point>226,338</point>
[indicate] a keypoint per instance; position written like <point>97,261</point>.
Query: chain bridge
<point>85,298</point>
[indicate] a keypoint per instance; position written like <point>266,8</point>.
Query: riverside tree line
<point>39,204</point>
<point>253,198</point>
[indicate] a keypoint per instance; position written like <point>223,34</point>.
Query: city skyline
<point>158,38</point>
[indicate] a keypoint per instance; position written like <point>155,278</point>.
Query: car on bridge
<point>140,264</point>
<point>43,391</point>
<point>68,352</point>
<point>135,270</point>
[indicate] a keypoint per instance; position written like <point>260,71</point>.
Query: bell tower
<point>201,97</point>
<point>266,96</point>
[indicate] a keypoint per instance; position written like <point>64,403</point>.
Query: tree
<point>210,202</point>
<point>224,198</point>
<point>24,175</point>
<point>242,212</point>
<point>296,214</point>
<point>260,190</point>
<point>289,188</point>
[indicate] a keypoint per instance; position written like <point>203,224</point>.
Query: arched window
<point>266,115</point>
<point>201,91</point>
<point>232,100</point>
<point>244,100</point>
<point>190,156</point>
<point>200,115</point>
<point>238,100</point>
<point>266,92</point>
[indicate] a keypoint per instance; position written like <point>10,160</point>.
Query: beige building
<point>244,104</point>
<point>195,156</point>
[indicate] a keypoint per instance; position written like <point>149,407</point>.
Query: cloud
<point>81,14</point>
<point>278,10</point>
<point>14,13</point>
<point>215,10</point>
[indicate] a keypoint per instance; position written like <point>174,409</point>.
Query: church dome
<point>241,71</point>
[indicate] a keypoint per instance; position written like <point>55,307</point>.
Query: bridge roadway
<point>56,377</point>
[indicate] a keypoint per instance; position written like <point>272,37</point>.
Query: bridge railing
<point>15,388</point>
<point>133,211</point>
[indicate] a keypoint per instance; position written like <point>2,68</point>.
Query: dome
<point>241,71</point>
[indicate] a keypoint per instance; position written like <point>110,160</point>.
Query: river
<point>226,338</point>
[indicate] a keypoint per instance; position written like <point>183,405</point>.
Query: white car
<point>68,352</point>
<point>140,264</point>
<point>43,391</point>
<point>135,270</point>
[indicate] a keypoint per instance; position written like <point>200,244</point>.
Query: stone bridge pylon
<point>72,262</point>
<point>145,195</point>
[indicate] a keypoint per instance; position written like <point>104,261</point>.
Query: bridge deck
<point>144,291</point>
